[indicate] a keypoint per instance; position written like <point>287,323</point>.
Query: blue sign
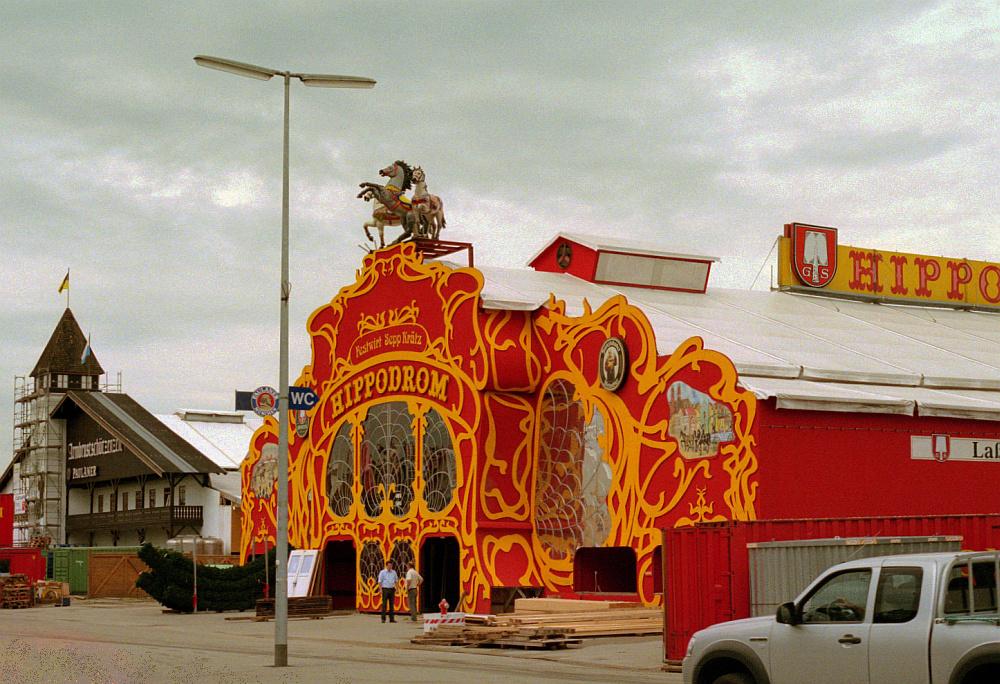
<point>301,398</point>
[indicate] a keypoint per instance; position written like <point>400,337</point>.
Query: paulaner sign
<point>809,259</point>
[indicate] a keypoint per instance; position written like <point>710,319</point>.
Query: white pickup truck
<point>914,619</point>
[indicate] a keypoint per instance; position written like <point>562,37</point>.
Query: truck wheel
<point>733,678</point>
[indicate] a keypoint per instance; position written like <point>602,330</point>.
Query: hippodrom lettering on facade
<point>387,380</point>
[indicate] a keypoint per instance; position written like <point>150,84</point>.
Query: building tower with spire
<point>67,363</point>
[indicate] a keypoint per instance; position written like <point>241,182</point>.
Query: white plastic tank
<point>192,543</point>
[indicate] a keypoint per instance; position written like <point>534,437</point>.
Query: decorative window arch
<point>340,472</point>
<point>387,459</point>
<point>573,476</point>
<point>372,561</point>
<point>438,463</point>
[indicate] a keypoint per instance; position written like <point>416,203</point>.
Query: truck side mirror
<point>788,614</point>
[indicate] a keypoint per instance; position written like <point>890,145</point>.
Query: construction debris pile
<point>16,592</point>
<point>543,623</point>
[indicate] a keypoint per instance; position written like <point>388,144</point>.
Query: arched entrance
<point>340,565</point>
<point>439,565</point>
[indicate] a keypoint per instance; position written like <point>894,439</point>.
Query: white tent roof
<point>222,436</point>
<point>807,351</point>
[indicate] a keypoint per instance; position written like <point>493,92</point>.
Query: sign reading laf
<point>6,519</point>
<point>810,259</point>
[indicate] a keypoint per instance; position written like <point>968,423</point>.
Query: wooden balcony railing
<point>167,516</point>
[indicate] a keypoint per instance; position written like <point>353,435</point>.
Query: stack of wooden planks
<point>550,623</point>
<point>298,606</point>
<point>498,637</point>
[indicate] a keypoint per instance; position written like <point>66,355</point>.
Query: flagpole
<point>67,288</point>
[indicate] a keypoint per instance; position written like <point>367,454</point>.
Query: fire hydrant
<point>443,606</point>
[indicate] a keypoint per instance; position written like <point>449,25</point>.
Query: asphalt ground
<point>125,641</point>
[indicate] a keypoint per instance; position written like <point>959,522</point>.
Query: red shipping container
<point>707,567</point>
<point>28,562</point>
<point>6,519</point>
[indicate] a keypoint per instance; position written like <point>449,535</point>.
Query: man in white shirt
<point>388,579</point>
<point>413,581</point>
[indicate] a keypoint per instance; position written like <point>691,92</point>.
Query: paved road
<point>134,641</point>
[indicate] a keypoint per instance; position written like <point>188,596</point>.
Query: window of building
<point>100,503</point>
<point>152,498</point>
<point>438,463</point>
<point>340,472</point>
<point>85,382</point>
<point>181,496</point>
<point>62,381</point>
<point>387,460</point>
<point>166,497</point>
<point>573,477</point>
<point>138,498</point>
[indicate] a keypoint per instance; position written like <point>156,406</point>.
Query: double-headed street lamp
<point>281,545</point>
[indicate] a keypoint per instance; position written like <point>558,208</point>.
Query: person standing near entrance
<point>388,579</point>
<point>413,581</point>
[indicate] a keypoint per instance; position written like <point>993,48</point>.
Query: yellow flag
<point>65,282</point>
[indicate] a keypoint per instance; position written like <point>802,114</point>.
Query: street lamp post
<point>281,546</point>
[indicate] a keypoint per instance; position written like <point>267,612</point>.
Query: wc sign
<point>301,398</point>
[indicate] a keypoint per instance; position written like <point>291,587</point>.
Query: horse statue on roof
<point>391,197</point>
<point>379,220</point>
<point>429,208</point>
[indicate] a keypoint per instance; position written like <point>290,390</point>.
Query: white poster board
<point>301,565</point>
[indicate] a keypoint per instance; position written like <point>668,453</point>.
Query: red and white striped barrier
<point>434,620</point>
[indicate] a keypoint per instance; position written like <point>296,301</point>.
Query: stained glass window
<point>340,472</point>
<point>438,463</point>
<point>573,477</point>
<point>387,462</point>
<point>372,561</point>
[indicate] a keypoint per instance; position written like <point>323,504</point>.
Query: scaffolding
<point>40,462</point>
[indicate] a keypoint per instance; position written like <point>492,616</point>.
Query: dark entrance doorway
<point>340,566</point>
<point>439,566</point>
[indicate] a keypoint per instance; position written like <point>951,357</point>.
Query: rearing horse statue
<point>391,196</point>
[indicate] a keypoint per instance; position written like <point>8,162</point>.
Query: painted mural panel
<point>698,422</point>
<point>440,419</point>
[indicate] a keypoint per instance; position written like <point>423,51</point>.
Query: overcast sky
<point>702,127</point>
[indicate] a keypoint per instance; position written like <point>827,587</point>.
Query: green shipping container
<point>72,564</point>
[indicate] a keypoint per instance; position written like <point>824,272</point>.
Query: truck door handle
<point>849,639</point>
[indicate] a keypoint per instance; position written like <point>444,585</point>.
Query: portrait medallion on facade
<point>564,255</point>
<point>613,364</point>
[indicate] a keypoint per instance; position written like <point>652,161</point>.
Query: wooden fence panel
<point>114,575</point>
